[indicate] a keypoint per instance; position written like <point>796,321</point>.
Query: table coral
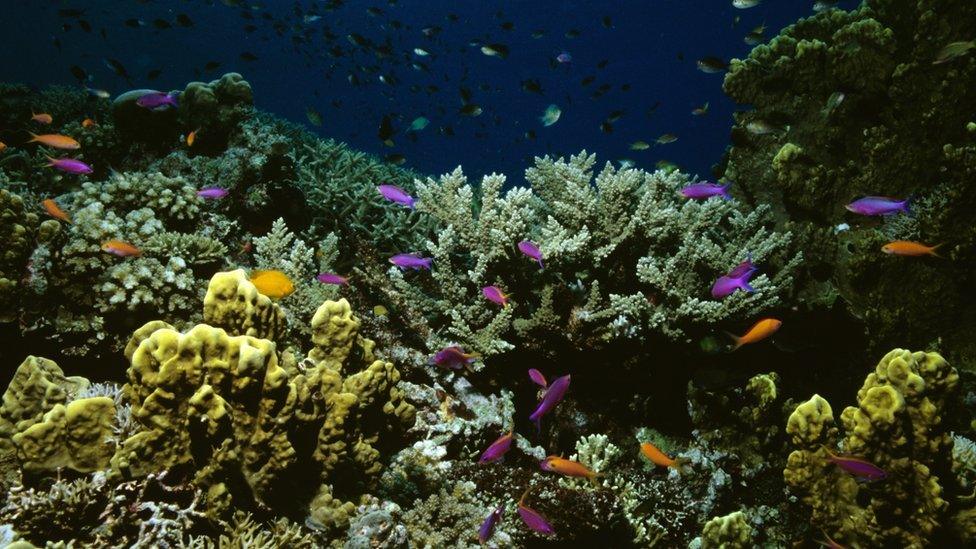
<point>638,259</point>
<point>898,426</point>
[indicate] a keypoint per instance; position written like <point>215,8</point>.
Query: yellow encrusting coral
<point>896,426</point>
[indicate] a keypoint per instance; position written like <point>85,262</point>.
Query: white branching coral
<point>280,249</point>
<point>625,257</point>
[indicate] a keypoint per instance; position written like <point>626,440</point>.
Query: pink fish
<point>704,191</point>
<point>497,450</point>
<point>212,192</point>
<point>332,278</point>
<point>453,357</point>
<point>156,100</point>
<point>533,519</point>
<point>537,378</point>
<point>411,261</point>
<point>878,205</point>
<point>863,470</point>
<point>488,526</point>
<point>396,194</point>
<point>530,249</point>
<point>69,165</point>
<point>495,295</point>
<point>736,279</point>
<point>554,394</point>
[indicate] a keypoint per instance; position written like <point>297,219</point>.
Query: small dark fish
<point>211,66</point>
<point>79,73</point>
<point>248,56</point>
<point>507,25</point>
<point>162,24</point>
<point>395,159</point>
<point>386,131</point>
<point>85,25</point>
<point>117,67</point>
<point>495,50</point>
<point>70,12</point>
<point>135,23</point>
<point>603,64</point>
<point>607,23</point>
<point>532,86</point>
<point>471,109</point>
<point>573,33</point>
<point>712,65</point>
<point>953,50</point>
<point>587,80</point>
<point>153,74</point>
<point>184,20</point>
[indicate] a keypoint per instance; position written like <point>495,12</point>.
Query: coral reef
<point>897,425</point>
<point>862,109</point>
<point>625,259</point>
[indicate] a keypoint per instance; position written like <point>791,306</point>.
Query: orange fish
<point>191,137</point>
<point>52,209</point>
<point>907,247</point>
<point>656,456</point>
<point>41,118</point>
<point>759,331</point>
<point>56,141</point>
<point>88,123</point>
<point>2,146</point>
<point>120,248</point>
<point>274,284</point>
<point>568,467</point>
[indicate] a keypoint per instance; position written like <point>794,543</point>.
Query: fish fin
<point>737,341</point>
<point>594,481</point>
<point>933,252</point>
<point>907,208</point>
<point>746,287</point>
<point>33,135</point>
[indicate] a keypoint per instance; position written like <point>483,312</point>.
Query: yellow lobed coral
<point>75,436</point>
<point>234,304</point>
<point>896,425</point>
<point>37,386</point>
<point>731,531</point>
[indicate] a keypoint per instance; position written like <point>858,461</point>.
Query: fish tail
<point>736,340</point>
<point>906,206</point>
<point>33,136</point>
<point>541,266</point>
<point>932,250</point>
<point>747,287</point>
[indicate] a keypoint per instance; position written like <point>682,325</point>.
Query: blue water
<point>651,46</point>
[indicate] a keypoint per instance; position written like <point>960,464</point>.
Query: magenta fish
<point>863,470</point>
<point>537,378</point>
<point>488,526</point>
<point>495,295</point>
<point>156,100</point>
<point>555,393</point>
<point>737,279</point>
<point>533,519</point>
<point>453,357</point>
<point>704,191</point>
<point>69,165</point>
<point>497,450</point>
<point>878,205</point>
<point>411,261</point>
<point>332,278</point>
<point>564,57</point>
<point>212,192</point>
<point>396,194</point>
<point>530,249</point>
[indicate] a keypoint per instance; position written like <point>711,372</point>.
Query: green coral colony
<point>258,374</point>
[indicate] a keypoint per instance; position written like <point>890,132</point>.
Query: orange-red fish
<point>191,138</point>
<point>907,247</point>
<point>120,248</point>
<point>759,331</point>
<point>2,146</point>
<point>88,123</point>
<point>656,456</point>
<point>568,467</point>
<point>56,141</point>
<point>53,210</point>
<point>41,118</point>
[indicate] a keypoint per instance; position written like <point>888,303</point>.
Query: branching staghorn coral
<point>624,255</point>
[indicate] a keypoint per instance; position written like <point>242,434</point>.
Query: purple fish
<point>411,261</point>
<point>555,393</point>
<point>488,526</point>
<point>495,295</point>
<point>156,100</point>
<point>878,205</point>
<point>332,278</point>
<point>530,249</point>
<point>453,357</point>
<point>396,194</point>
<point>212,192</point>
<point>69,165</point>
<point>737,279</point>
<point>497,450</point>
<point>863,470</point>
<point>537,378</point>
<point>533,519</point>
<point>564,57</point>
<point>704,191</point>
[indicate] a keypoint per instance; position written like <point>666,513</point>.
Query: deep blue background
<point>652,45</point>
